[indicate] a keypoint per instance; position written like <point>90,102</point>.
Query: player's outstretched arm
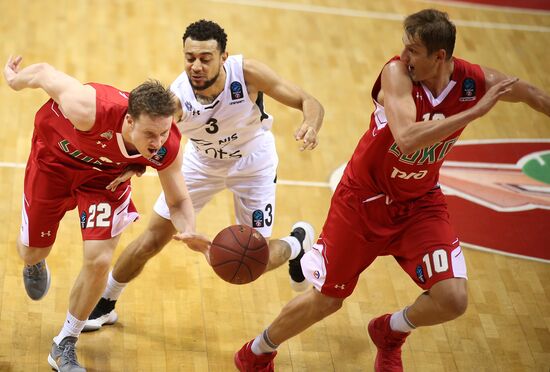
<point>77,101</point>
<point>401,110</point>
<point>262,78</point>
<point>181,209</point>
<point>522,91</point>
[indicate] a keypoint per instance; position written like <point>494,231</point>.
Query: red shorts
<point>359,229</point>
<point>51,189</point>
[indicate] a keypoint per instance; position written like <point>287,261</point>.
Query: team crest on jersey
<point>107,135</point>
<point>468,90</point>
<point>159,156</point>
<point>83,218</point>
<point>236,90</point>
<point>420,274</point>
<point>258,218</point>
<point>188,106</point>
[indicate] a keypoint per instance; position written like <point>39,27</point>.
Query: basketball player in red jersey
<point>389,202</point>
<point>84,136</point>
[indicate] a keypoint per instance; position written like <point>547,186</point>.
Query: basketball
<point>239,254</point>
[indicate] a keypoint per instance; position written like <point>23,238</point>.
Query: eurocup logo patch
<point>157,158</point>
<point>258,218</point>
<point>468,90</point>
<point>236,90</point>
<point>83,218</point>
<point>188,106</point>
<point>420,274</point>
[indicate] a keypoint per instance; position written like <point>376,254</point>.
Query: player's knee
<point>455,302</point>
<point>149,244</point>
<point>99,265</point>
<point>31,255</point>
<point>327,305</point>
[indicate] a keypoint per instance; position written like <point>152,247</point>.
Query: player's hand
<point>127,173</point>
<point>308,135</point>
<point>11,69</point>
<point>196,242</point>
<point>493,95</point>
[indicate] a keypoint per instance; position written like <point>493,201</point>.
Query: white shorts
<point>251,179</point>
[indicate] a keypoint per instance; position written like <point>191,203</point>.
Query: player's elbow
<point>406,144</point>
<point>42,71</point>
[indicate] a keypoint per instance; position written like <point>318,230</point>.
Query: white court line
<point>150,173</point>
<point>12,165</point>
<point>375,15</point>
<point>502,253</point>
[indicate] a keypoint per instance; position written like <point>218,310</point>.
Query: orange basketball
<point>239,254</point>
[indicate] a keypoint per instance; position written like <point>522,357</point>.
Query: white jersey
<point>232,126</point>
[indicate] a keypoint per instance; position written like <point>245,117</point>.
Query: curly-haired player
<point>221,111</point>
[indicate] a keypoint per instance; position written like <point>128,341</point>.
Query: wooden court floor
<point>178,316</point>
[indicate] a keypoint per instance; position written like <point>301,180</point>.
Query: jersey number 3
<point>212,126</point>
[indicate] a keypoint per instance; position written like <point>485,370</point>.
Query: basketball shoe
<point>104,314</point>
<point>62,358</point>
<point>247,361</point>
<point>388,344</point>
<point>305,234</point>
<point>37,280</point>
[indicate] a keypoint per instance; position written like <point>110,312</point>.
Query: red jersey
<point>102,148</point>
<point>378,166</point>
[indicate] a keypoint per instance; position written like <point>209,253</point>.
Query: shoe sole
<point>112,319</point>
<point>52,363</point>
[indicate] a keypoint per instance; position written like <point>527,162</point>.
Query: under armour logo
<point>418,96</point>
<point>196,112</point>
<point>47,233</point>
<point>102,144</point>
<point>339,286</point>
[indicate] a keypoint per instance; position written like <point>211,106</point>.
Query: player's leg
<point>344,244</point>
<point>45,201</point>
<point>253,183</point>
<point>296,316</point>
<point>85,293</point>
<point>128,266</point>
<point>431,255</point>
<point>103,217</point>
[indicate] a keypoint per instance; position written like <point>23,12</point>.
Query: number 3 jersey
<point>230,127</point>
<point>378,166</point>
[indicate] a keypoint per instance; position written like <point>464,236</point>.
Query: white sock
<point>114,288</point>
<point>400,323</point>
<point>295,246</point>
<point>71,327</point>
<point>263,345</point>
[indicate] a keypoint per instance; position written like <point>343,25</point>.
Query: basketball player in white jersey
<point>230,146</point>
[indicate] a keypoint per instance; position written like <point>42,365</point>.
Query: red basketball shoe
<point>247,361</point>
<point>388,343</point>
